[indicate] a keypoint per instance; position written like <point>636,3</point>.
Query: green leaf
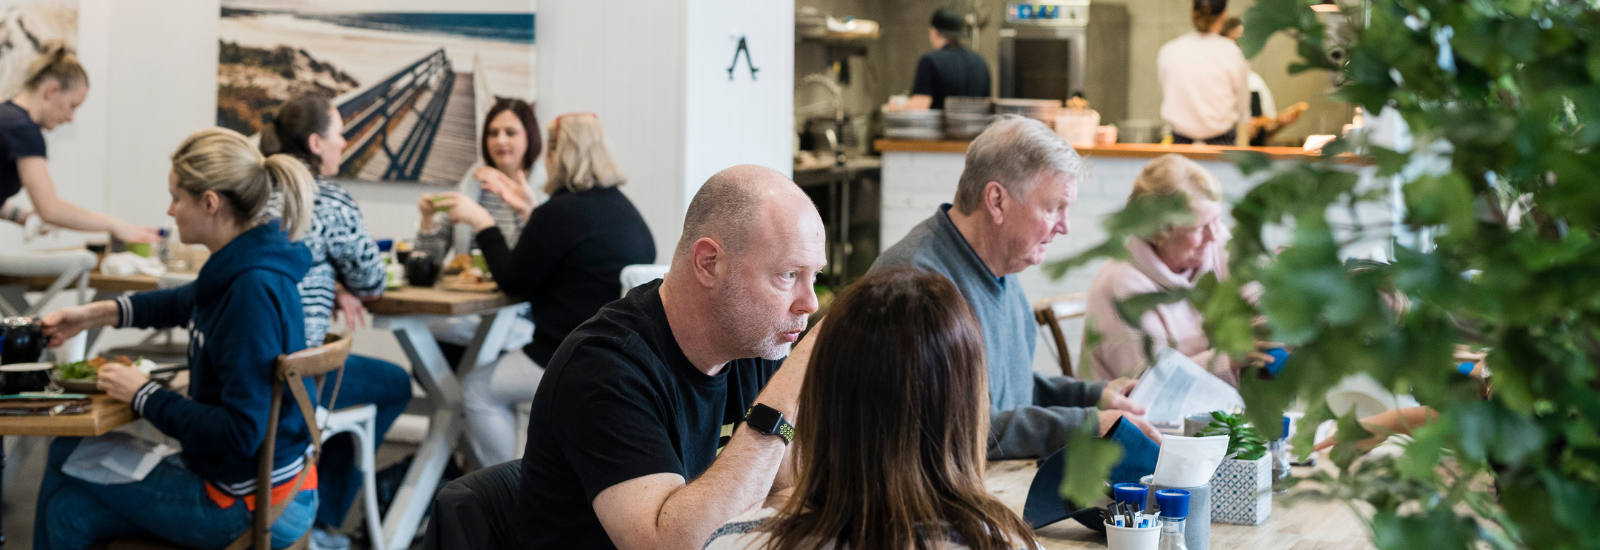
<point>1088,464</point>
<point>1437,528</point>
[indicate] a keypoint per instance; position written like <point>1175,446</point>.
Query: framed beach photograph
<point>412,82</point>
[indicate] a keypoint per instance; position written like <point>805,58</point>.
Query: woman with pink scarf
<point>1175,258</point>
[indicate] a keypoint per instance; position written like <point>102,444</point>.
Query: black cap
<point>948,20</point>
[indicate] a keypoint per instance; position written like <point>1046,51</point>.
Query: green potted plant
<point>1241,490</point>
<point>1492,238</point>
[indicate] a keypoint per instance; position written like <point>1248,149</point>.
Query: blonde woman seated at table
<point>567,265</point>
<point>510,147</point>
<point>1174,259</point>
<point>243,312</point>
<point>891,437</point>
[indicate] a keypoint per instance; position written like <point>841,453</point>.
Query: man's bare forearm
<point>740,479</point>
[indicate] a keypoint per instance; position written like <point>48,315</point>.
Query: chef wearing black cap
<point>948,70</point>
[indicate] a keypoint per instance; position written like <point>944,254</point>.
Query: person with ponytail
<point>1205,81</point>
<point>346,269</point>
<point>56,85</point>
<point>243,310</point>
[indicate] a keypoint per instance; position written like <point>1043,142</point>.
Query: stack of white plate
<point>913,124</point>
<point>966,117</point>
<point>1042,110</point>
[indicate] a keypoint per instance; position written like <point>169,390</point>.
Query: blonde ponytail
<point>222,161</point>
<point>299,190</point>
<point>56,62</point>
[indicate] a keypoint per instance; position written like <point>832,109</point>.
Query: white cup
<point>1124,538</point>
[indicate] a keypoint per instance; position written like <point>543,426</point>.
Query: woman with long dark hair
<point>346,269</point>
<point>893,424</point>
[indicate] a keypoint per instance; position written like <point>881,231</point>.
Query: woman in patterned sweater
<point>346,269</point>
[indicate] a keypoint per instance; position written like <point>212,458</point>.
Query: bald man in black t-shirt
<point>658,420</point>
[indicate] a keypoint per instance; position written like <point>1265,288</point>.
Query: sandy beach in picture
<point>410,86</point>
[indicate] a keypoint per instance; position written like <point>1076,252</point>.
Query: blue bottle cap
<point>1132,493</point>
<point>1174,503</point>
<point>1280,356</point>
<point>385,244</point>
<point>1285,433</point>
<point>1465,368</point>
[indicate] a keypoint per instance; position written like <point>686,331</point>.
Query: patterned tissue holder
<point>1241,491</point>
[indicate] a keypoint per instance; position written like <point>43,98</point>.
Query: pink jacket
<point>1121,350</point>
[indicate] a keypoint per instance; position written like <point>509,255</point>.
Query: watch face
<point>764,419</point>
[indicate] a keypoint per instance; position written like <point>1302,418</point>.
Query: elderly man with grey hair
<point>1011,201</point>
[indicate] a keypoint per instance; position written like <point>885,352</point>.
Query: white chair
<point>361,423</point>
<point>638,274</point>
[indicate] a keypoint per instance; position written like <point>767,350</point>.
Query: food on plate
<point>461,262</point>
<point>90,369</point>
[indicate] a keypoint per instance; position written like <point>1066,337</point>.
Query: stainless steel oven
<point>1043,47</point>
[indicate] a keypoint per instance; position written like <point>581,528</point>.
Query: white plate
<point>25,367</point>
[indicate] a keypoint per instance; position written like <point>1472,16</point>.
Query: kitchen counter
<point>1115,150</point>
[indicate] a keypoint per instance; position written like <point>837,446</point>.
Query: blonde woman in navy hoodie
<point>243,310</point>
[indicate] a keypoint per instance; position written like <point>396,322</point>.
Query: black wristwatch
<point>769,421</point>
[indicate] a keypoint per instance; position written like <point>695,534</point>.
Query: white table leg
<point>446,425</point>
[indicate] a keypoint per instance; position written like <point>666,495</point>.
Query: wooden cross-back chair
<point>1050,312</point>
<point>288,371</point>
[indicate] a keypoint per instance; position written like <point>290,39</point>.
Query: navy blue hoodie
<point>242,311</point>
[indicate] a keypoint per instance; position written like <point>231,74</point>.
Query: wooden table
<point>406,312</point>
<point>104,415</point>
<point>1306,526</point>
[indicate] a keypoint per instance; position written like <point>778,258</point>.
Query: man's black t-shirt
<point>619,401</point>
<point>20,137</point>
<point>951,71</point>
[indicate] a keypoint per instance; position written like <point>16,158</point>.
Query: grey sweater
<point>1030,415</point>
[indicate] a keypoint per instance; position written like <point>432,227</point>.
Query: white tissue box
<point>1241,491</point>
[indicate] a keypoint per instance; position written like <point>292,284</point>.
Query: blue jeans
<point>366,381</point>
<point>170,503</point>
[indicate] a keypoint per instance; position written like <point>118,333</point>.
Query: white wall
<point>656,73</point>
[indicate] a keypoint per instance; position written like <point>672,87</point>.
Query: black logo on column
<point>745,48</point>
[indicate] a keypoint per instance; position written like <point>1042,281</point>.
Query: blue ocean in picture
<point>509,27</point>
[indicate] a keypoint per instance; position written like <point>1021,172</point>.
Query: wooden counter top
<point>1117,150</point>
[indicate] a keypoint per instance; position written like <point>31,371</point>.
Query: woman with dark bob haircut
<point>893,423</point>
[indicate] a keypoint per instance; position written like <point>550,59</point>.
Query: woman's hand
<point>121,381</point>
<point>426,207</point>
<point>466,211</point>
<point>64,324</point>
<point>349,306</point>
<point>515,193</point>
<point>133,233</point>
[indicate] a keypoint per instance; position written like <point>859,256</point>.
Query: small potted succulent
<point>1241,490</point>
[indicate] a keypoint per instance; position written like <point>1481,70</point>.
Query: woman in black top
<point>567,264</point>
<point>55,87</point>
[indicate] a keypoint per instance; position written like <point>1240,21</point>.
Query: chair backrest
<point>1050,312</point>
<point>290,371</point>
<point>638,274</point>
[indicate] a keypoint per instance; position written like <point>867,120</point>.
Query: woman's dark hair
<point>293,125</point>
<point>893,426</point>
<point>1206,12</point>
<point>949,23</point>
<point>530,126</point>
